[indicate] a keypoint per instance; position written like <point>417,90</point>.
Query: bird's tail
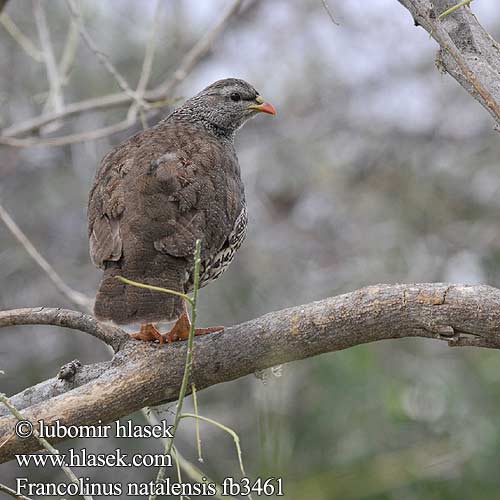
<point>123,304</point>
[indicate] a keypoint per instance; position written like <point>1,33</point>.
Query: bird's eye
<point>235,96</point>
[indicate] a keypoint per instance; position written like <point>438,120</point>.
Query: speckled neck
<point>187,114</point>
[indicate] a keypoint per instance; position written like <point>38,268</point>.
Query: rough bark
<point>144,374</point>
<point>467,51</point>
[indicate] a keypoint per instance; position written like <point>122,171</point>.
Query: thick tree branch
<point>66,318</point>
<point>467,51</point>
<point>143,374</point>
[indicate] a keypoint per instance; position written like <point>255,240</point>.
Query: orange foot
<point>148,333</point>
<point>180,331</point>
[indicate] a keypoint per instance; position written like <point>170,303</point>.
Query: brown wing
<point>201,197</point>
<point>106,205</point>
<point>159,192</point>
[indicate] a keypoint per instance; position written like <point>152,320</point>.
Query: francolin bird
<point>157,193</point>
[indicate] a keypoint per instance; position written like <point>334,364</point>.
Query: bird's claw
<point>148,333</point>
<point>180,331</point>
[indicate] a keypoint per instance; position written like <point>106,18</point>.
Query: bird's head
<point>225,105</point>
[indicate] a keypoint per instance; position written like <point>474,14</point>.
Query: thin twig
<point>12,493</point>
<point>73,295</point>
<point>155,288</point>
<point>198,476</point>
<point>329,12</point>
<point>56,97</point>
<point>178,467</point>
<point>188,468</point>
<point>24,42</point>
<point>64,140</point>
<point>92,104</point>
<point>147,66</point>
<point>454,8</point>
<point>103,58</point>
<point>196,423</point>
<point>8,436</point>
<point>188,364</point>
<point>225,428</point>
<point>201,48</point>
<point>149,53</point>
<point>69,473</point>
<point>69,52</point>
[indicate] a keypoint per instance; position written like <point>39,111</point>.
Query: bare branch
<point>147,66</point>
<point>143,374</point>
<point>329,12</point>
<point>103,58</point>
<point>91,135</point>
<point>197,475</point>
<point>24,42</point>
<point>93,104</point>
<point>12,493</point>
<point>65,318</point>
<point>69,52</point>
<point>74,296</point>
<point>467,51</point>
<point>194,56</point>
<point>147,63</point>
<point>191,470</point>
<point>158,94</point>
<point>55,97</point>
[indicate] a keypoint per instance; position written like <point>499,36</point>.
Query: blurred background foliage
<point>376,169</point>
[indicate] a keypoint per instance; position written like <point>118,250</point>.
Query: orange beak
<point>262,107</point>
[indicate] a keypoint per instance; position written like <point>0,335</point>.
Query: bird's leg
<point>148,333</point>
<point>180,331</point>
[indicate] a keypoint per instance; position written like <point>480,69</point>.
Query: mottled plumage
<point>158,192</point>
